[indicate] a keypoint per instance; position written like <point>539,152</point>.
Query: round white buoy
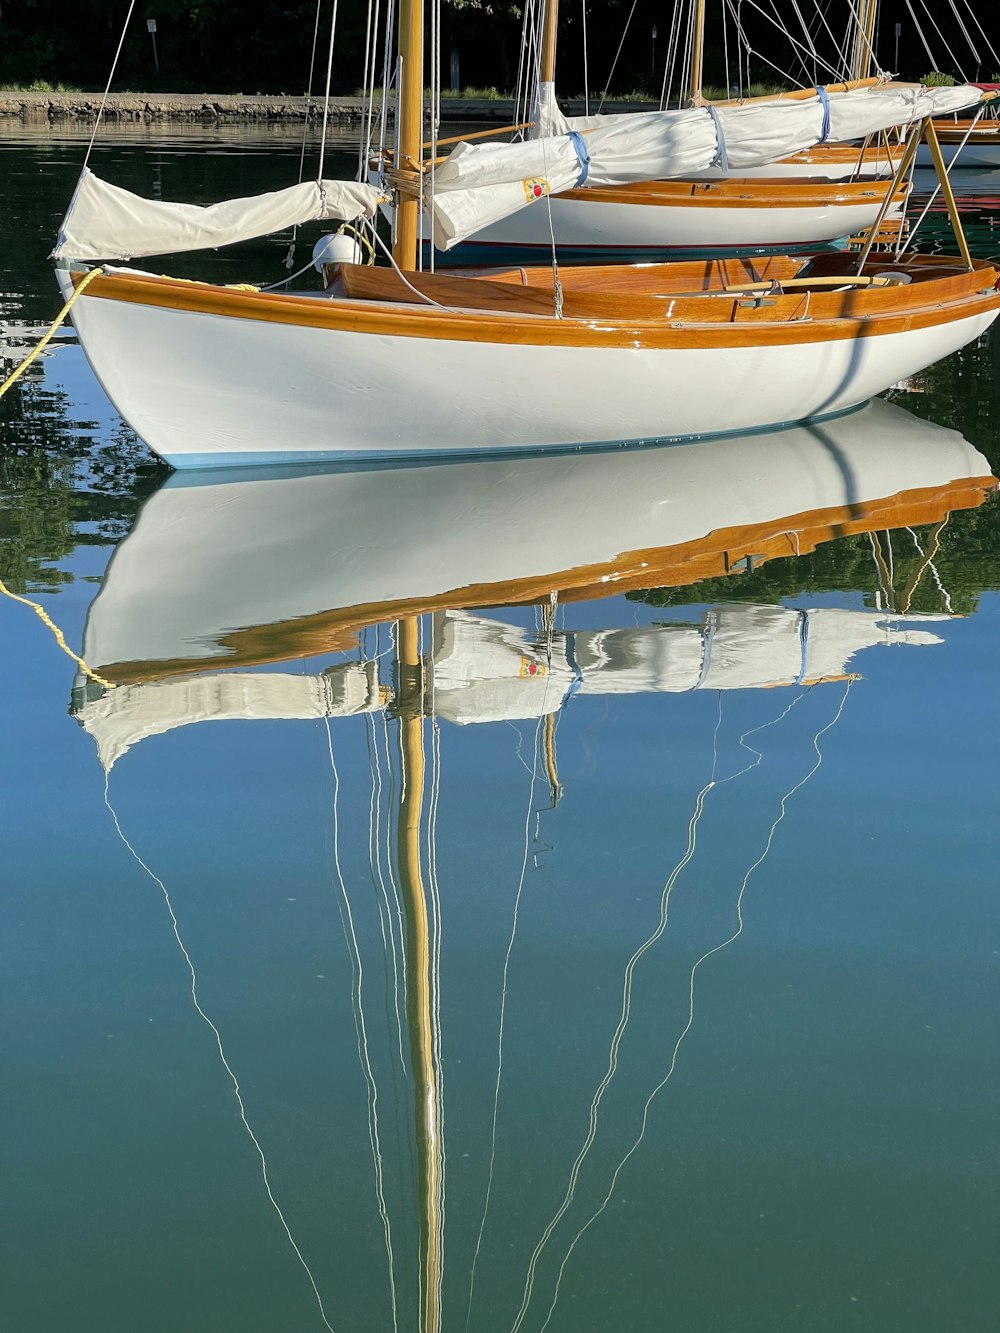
<point>336,249</point>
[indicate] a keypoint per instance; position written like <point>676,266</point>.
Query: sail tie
<point>824,98</point>
<point>721,159</point>
<point>582,156</point>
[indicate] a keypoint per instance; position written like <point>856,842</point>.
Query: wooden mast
<point>864,41</point>
<point>419,991</point>
<point>550,25</point>
<point>409,108</point>
<point>698,54</point>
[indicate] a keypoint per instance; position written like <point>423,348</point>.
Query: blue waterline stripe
<point>275,463</point>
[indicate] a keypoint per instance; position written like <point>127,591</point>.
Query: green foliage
<point>937,80</point>
<point>37,86</point>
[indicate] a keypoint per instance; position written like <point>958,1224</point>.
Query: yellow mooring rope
<point>39,346</point>
<point>40,611</point>
<point>60,638</point>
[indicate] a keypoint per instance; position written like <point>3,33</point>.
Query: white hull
<point>586,225</point>
<point>210,390</point>
<point>981,155</point>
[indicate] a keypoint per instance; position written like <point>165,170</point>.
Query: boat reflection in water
<point>224,575</point>
<point>237,570</point>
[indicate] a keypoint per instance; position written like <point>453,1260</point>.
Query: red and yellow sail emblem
<point>535,187</point>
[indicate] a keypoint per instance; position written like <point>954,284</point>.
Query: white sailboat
<point>802,202</point>
<point>404,364</point>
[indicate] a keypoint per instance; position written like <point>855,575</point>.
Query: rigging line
<point>718,948</point>
<point>614,63</point>
<point>586,76</point>
<point>290,257</point>
<point>821,21</point>
<point>633,962</point>
<point>237,1091</point>
<point>946,595</point>
<point>364,138</point>
<point>967,35</point>
<point>326,95</point>
<point>758,755</point>
<point>647,944</point>
<point>796,45</point>
<point>808,47</point>
<point>920,33</point>
<point>525,63</point>
<point>357,1001</point>
<point>388,78</point>
<point>907,242</point>
<point>503,1004</point>
<point>954,59</point>
<point>107,88</point>
<point>928,562</point>
<point>989,45</point>
<point>402,276</point>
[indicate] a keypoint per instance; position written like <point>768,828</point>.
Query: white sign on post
<point>151,25</point>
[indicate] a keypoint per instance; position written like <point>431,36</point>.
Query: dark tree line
<point>221,46</point>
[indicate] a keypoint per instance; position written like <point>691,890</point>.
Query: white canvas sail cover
<point>107,222</point>
<point>482,183</point>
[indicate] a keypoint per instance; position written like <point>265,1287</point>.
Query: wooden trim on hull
<point>711,556</point>
<point>696,321</point>
<point>737,192</point>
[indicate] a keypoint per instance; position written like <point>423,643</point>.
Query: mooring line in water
<point>237,1091</point>
<point>57,634</point>
<point>361,1031</point>
<point>503,1006</point>
<point>691,990</point>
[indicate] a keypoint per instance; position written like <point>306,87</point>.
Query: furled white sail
<point>481,183</point>
<point>107,222</point>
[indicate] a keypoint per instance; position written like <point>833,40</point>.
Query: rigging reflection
<point>221,578</point>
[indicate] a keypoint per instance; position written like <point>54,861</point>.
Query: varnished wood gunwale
<point>846,153</point>
<point>736,192</point>
<point>698,321</point>
<point>646,279</point>
<point>716,554</point>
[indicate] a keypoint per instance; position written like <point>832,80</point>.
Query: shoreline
<point>234,108</point>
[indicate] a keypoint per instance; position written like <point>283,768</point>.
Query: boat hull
<point>210,389</point>
<point>976,153</point>
<point>582,226</point>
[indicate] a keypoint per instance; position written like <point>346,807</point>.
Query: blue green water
<point>779,890</point>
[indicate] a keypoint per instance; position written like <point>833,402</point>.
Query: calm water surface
<point>677,1008</point>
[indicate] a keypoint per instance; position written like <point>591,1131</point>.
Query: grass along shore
<point>31,105</point>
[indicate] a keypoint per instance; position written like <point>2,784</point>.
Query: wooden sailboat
<point>403,364</point>
<point>805,203</point>
<point>966,143</point>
